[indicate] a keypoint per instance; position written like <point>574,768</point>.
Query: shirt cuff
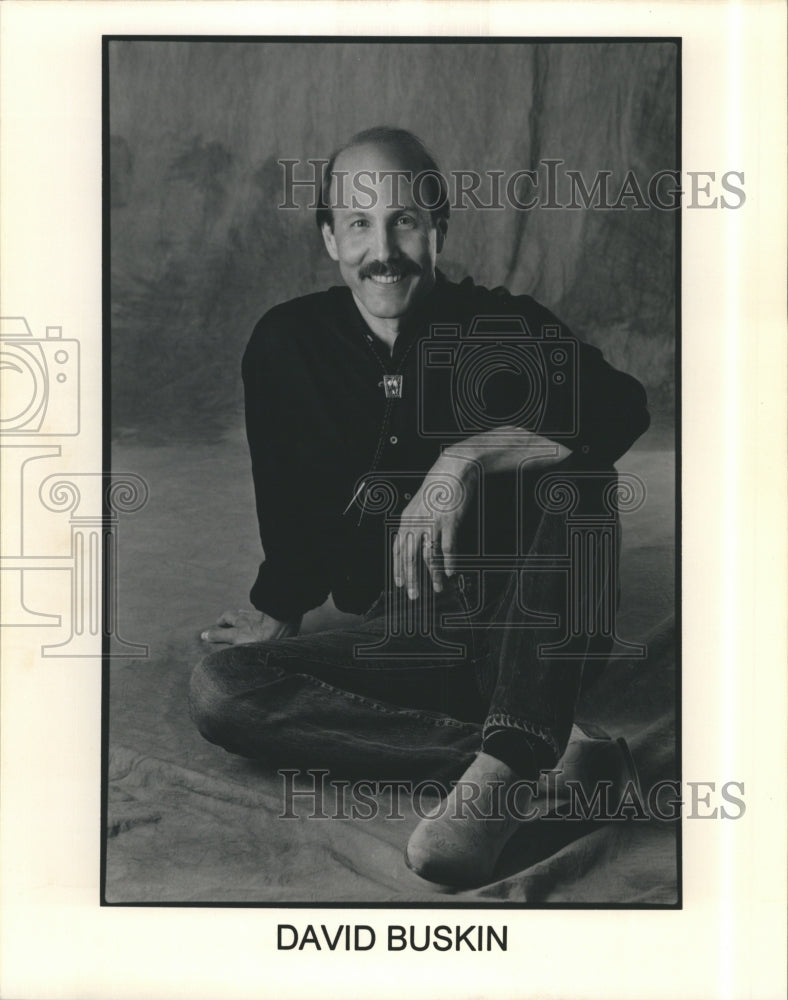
<point>285,592</point>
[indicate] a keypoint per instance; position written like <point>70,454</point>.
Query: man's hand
<point>430,523</point>
<point>239,627</point>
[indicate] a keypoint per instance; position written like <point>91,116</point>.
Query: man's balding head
<point>417,165</point>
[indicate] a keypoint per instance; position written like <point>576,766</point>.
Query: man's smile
<point>386,279</point>
<point>389,273</point>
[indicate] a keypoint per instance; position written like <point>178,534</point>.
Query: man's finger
<point>431,554</point>
<point>396,562</point>
<point>224,634</point>
<point>411,575</point>
<point>447,547</point>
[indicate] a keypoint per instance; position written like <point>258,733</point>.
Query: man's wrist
<point>460,461</point>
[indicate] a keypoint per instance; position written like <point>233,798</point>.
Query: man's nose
<point>384,243</point>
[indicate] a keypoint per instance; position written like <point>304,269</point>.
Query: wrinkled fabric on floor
<point>188,822</point>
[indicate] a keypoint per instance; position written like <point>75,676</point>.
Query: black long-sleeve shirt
<point>319,423</point>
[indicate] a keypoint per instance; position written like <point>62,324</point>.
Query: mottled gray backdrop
<point>200,249</point>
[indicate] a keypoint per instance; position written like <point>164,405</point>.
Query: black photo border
<point>439,903</point>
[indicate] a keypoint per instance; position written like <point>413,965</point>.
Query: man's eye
<point>406,220</point>
<point>358,223</point>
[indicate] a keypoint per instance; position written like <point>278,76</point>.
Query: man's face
<point>385,244</point>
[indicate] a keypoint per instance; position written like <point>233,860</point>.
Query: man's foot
<point>460,842</point>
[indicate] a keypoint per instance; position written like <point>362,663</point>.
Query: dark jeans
<point>417,688</point>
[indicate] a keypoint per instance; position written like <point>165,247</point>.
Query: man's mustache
<point>398,268</point>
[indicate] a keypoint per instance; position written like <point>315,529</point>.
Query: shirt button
<point>407,496</point>
<point>393,439</point>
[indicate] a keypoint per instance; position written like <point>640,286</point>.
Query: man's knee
<point>210,703</point>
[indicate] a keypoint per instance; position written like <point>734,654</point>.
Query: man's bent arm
<point>501,450</point>
<point>603,413</point>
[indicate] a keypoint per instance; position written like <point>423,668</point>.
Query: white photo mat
<point>728,940</point>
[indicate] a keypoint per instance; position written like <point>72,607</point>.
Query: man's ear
<point>329,240</point>
<point>441,228</point>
